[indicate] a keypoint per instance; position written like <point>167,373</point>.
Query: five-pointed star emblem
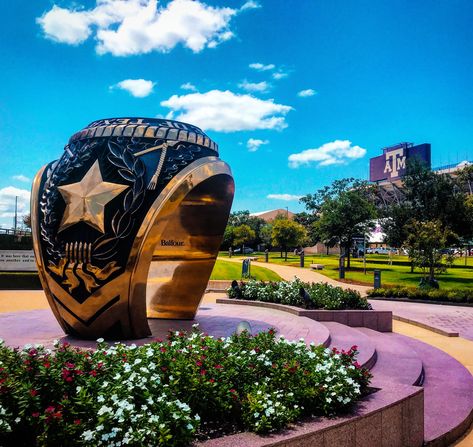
<point>86,200</point>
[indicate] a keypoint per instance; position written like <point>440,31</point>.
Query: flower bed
<point>317,296</point>
<point>453,295</point>
<point>168,393</point>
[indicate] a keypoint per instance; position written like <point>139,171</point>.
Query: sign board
<point>245,268</point>
<point>392,164</point>
<point>17,261</point>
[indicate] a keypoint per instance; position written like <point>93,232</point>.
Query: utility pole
<point>16,214</point>
<point>287,212</point>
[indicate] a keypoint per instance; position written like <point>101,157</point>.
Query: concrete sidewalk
<point>288,273</point>
<point>453,319</point>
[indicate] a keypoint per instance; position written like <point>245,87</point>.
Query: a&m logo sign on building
<point>393,163</point>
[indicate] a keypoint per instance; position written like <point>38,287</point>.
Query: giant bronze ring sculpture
<point>127,225</point>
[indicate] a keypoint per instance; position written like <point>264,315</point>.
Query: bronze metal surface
<point>126,227</point>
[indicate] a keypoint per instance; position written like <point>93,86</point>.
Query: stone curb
<point>378,320</point>
<point>437,330</point>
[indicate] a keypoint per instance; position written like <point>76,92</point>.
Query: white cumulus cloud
<point>250,4</point>
<point>286,197</point>
<point>128,27</point>
<point>260,87</point>
<point>306,93</point>
<point>226,111</point>
<point>189,86</point>
<point>262,67</point>
<point>139,88</point>
<point>280,75</point>
<point>22,178</point>
<point>7,202</point>
<point>337,152</point>
<point>254,144</point>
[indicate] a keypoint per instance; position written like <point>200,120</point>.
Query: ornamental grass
<point>189,387</point>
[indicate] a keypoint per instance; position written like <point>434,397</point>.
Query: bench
<point>252,258</point>
<point>317,266</point>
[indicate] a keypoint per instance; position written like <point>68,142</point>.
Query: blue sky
<point>296,94</point>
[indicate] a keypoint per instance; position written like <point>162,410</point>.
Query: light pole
<point>16,214</point>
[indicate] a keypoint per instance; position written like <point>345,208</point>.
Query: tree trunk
<point>347,251</point>
<point>412,266</point>
<point>281,250</point>
<point>431,269</point>
<point>285,253</point>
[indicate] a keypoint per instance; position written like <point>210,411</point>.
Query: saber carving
<point>127,225</point>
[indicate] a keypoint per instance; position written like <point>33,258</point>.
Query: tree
<point>425,243</point>
<point>465,178</point>
<point>228,237</point>
<point>265,235</point>
<point>243,234</point>
<point>307,220</point>
<point>286,233</point>
<point>238,218</point>
<point>345,210</point>
<point>27,220</point>
<point>429,196</point>
<point>432,196</point>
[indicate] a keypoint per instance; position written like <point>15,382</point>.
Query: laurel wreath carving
<point>133,170</point>
<point>55,174</point>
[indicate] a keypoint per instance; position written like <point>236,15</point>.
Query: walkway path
<point>453,319</point>
<point>458,347</point>
<point>288,272</point>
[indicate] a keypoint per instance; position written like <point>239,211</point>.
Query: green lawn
<point>232,270</point>
<point>458,276</point>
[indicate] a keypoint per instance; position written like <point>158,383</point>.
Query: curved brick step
<point>223,322</point>
<point>448,395</point>
<point>344,337</point>
<point>396,361</point>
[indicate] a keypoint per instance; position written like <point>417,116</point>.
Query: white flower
<point>88,435</point>
<point>100,340</point>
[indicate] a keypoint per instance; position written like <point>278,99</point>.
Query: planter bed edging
<point>378,320</point>
<point>388,417</point>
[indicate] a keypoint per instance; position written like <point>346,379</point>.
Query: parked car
<point>246,250</point>
<point>379,250</point>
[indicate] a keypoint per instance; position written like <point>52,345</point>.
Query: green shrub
<point>167,393</point>
<point>322,296</point>
<point>448,295</point>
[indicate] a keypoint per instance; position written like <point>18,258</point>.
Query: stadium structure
<point>387,170</point>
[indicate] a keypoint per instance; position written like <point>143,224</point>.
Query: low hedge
<point>452,295</point>
<point>300,294</point>
<point>169,393</point>
<point>19,281</point>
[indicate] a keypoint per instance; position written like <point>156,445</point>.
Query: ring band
<point>127,225</point>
